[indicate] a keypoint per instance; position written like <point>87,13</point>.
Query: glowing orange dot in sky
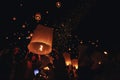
<point>38,16</point>
<point>58,4</point>
<point>14,18</point>
<point>23,26</point>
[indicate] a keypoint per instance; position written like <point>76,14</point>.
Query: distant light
<point>81,42</point>
<point>97,40</point>
<point>36,71</point>
<point>14,18</point>
<point>28,37</point>
<point>99,62</point>
<point>62,25</point>
<point>28,31</point>
<point>105,52</point>
<point>19,38</point>
<point>23,26</point>
<point>21,4</point>
<point>69,49</point>
<point>96,45</point>
<point>38,16</point>
<point>92,43</point>
<point>6,38</point>
<point>46,12</point>
<point>58,4</point>
<point>31,34</point>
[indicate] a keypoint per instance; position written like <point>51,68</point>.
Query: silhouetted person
<point>60,68</point>
<point>5,64</point>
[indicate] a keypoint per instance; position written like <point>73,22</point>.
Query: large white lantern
<point>41,42</point>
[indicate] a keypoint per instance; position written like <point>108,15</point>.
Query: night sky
<point>98,21</point>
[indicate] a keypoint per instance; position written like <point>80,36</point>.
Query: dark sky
<point>101,21</point>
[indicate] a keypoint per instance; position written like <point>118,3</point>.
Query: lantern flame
<point>68,63</point>
<point>75,63</point>
<point>67,59</point>
<point>46,68</point>
<point>76,66</point>
<point>41,48</point>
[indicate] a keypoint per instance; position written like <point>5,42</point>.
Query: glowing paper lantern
<point>75,63</point>
<point>38,16</point>
<point>41,42</point>
<point>67,59</point>
<point>14,18</point>
<point>58,4</point>
<point>23,26</point>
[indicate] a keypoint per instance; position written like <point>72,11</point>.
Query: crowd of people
<point>14,67</point>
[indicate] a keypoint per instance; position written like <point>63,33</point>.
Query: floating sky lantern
<point>23,26</point>
<point>58,4</point>
<point>75,63</point>
<point>41,42</point>
<point>37,16</point>
<point>14,18</point>
<point>105,52</point>
<point>46,12</point>
<point>67,59</point>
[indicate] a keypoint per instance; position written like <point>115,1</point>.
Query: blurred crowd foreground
<point>92,65</point>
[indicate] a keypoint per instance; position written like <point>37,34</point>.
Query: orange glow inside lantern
<point>68,62</point>
<point>67,59</point>
<point>41,48</point>
<point>75,63</point>
<point>41,42</point>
